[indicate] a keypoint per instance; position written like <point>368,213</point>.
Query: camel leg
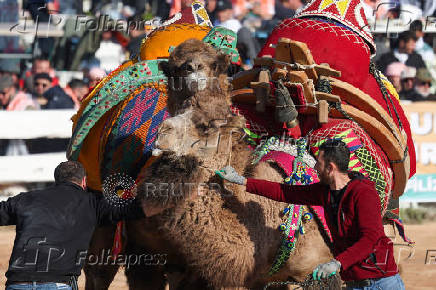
<point>145,268</point>
<point>158,277</point>
<point>144,271</point>
<point>99,277</point>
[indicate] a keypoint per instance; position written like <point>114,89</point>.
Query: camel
<point>216,235</point>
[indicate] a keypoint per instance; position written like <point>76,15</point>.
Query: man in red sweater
<point>362,252</point>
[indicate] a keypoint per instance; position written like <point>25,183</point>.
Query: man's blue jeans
<point>387,283</point>
<point>39,286</point>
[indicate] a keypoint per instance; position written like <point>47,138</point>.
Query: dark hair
<point>406,36</point>
<point>44,76</point>
<point>76,83</point>
<point>69,171</point>
<point>137,20</point>
<point>416,26</point>
<point>41,58</point>
<point>336,151</point>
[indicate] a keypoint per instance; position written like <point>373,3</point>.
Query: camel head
<point>202,107</point>
<point>193,67</point>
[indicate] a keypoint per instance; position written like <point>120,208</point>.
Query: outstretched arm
<point>8,211</point>
<point>299,194</point>
<point>313,194</point>
<point>108,213</point>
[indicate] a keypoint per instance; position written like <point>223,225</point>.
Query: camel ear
<point>165,67</point>
<point>222,63</point>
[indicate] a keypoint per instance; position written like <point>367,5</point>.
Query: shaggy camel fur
<point>215,231</point>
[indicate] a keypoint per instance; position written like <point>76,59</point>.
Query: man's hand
<point>326,270</point>
<point>229,173</point>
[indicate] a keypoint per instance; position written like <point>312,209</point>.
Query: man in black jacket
<point>405,53</point>
<point>54,227</point>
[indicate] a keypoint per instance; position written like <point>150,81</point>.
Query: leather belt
<point>360,283</point>
<point>32,282</point>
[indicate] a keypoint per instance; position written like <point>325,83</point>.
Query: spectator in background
<point>393,9</point>
<point>225,17</point>
<point>286,8</point>
<point>425,50</point>
<point>13,100</point>
<point>369,6</point>
<point>110,53</point>
<point>427,7</point>
<point>380,9</point>
<point>393,73</point>
<point>40,11</point>
<point>95,75</point>
<point>179,5</point>
<point>71,7</point>
<point>246,45</point>
<point>42,83</point>
<point>405,53</point>
<point>210,7</point>
<point>423,84</point>
<point>163,8</point>
<point>57,99</point>
<point>77,90</point>
<point>48,96</point>
<point>137,34</point>
<point>10,13</point>
<point>408,78</point>
<point>39,65</point>
<point>263,8</point>
<point>11,67</point>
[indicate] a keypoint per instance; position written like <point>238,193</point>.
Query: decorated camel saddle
<point>323,58</point>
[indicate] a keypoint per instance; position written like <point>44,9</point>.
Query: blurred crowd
<point>409,63</point>
<point>38,88</point>
<point>86,56</point>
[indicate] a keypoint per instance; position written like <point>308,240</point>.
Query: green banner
<point>420,188</point>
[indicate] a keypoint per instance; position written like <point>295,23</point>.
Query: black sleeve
<point>58,99</point>
<point>110,214</point>
<point>8,211</point>
<point>420,61</point>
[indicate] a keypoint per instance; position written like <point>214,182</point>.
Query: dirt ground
<point>416,273</point>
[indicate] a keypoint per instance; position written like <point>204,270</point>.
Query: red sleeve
<point>367,210</point>
<point>313,194</point>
